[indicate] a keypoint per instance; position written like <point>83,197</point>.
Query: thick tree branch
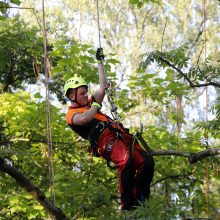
<point>192,157</point>
<point>36,193</point>
<point>203,154</point>
<point>187,78</point>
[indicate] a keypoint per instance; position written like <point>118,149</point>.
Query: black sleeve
<point>93,99</point>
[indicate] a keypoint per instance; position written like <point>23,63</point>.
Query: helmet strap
<point>75,99</point>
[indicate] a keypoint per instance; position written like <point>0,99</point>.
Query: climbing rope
<point>109,91</point>
<point>48,111</point>
<point>206,111</point>
<point>98,21</point>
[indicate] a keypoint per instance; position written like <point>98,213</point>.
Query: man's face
<point>82,95</point>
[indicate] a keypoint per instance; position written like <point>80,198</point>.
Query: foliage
<point>176,56</point>
<point>140,3</point>
<point>4,6</point>
<point>70,58</point>
<point>85,188</point>
<point>21,54</point>
<point>82,188</point>
<point>176,60</point>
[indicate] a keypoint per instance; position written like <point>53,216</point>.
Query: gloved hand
<point>99,54</point>
<point>97,105</point>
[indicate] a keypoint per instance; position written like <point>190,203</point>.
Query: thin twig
<point>198,61</point>
<point>163,34</point>
<point>216,84</point>
<point>25,8</point>
<point>171,177</point>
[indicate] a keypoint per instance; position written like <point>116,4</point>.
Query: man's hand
<point>99,54</point>
<point>100,91</point>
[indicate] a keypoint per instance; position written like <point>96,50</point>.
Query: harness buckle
<point>110,164</point>
<point>109,147</point>
<point>117,134</point>
<point>101,127</point>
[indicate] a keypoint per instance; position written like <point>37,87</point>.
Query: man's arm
<point>100,92</point>
<point>85,117</point>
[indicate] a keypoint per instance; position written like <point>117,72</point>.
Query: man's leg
<point>121,156</point>
<point>144,165</point>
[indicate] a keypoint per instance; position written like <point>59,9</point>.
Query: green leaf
<point>4,7</point>
<point>113,61</point>
<point>133,1</point>
<point>57,69</point>
<point>149,76</point>
<point>17,2</point>
<point>37,95</point>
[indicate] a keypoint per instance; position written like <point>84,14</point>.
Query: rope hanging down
<point>48,112</point>
<point>206,112</point>
<point>109,91</point>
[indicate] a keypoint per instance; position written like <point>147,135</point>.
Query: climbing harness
<point>95,134</point>
<point>98,130</point>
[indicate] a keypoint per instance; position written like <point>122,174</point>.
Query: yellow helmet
<point>74,83</point>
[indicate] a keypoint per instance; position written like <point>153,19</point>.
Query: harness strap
<point>96,133</point>
<point>110,164</point>
<point>94,136</point>
<point>108,156</point>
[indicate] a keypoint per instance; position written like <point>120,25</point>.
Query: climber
<point>109,139</point>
